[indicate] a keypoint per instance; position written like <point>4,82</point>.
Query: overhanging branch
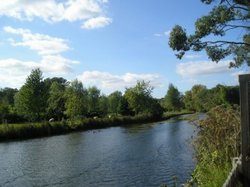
<point>225,42</point>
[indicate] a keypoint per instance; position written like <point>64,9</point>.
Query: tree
<point>140,100</point>
<point>138,97</point>
<point>93,101</point>
<point>56,100</point>
<point>114,100</point>
<point>172,100</point>
<point>228,16</point>
<point>7,95</point>
<point>123,107</point>
<point>197,98</point>
<point>103,105</point>
<point>30,101</point>
<point>76,100</point>
<point>7,102</point>
<point>4,110</point>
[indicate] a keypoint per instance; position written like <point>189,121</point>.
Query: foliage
<point>93,101</point>
<point>217,142</point>
<point>7,95</point>
<point>76,100</point>
<point>172,100</point>
<point>115,100</point>
<point>201,99</point>
<point>30,101</point>
<point>56,100</point>
<point>4,110</point>
<point>103,105</point>
<point>138,97</point>
<point>32,130</point>
<point>123,107</point>
<point>195,99</point>
<point>229,15</point>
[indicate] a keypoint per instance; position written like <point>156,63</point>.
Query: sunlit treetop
<point>225,17</point>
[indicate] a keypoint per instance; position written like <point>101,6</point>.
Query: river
<point>135,155</point>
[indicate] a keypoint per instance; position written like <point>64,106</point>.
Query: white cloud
<point>43,44</point>
<point>167,33</point>
<point>192,69</point>
<point>235,75</point>
<point>192,56</point>
<point>52,10</point>
<point>13,72</point>
<point>97,22</point>
<point>117,82</point>
<point>157,34</point>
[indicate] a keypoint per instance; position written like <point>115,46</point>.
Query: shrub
<point>217,142</point>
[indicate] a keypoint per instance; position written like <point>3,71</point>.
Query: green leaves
<point>140,100</point>
<point>76,100</point>
<point>225,17</point>
<point>216,144</point>
<point>178,38</point>
<point>179,41</point>
<point>216,53</point>
<point>172,100</point>
<point>31,98</point>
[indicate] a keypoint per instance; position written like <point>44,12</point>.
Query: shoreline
<point>18,132</point>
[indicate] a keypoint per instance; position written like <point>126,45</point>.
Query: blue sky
<point>107,43</point>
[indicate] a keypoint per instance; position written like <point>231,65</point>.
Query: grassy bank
<point>216,144</point>
<point>41,129</point>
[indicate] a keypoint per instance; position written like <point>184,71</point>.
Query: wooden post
<point>245,127</point>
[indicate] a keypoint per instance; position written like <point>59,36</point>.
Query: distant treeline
<point>42,99</point>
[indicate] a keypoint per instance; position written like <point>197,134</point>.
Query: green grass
<point>41,129</point>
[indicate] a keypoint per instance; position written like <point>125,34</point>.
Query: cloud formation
<point>53,11</point>
<point>198,68</point>
<point>97,22</point>
<point>42,44</point>
<point>117,82</point>
<point>193,56</point>
<point>166,33</point>
<point>14,71</point>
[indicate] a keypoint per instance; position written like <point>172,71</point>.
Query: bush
<point>217,142</point>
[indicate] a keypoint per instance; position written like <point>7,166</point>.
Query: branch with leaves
<point>225,17</point>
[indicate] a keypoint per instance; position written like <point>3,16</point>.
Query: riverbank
<point>43,129</point>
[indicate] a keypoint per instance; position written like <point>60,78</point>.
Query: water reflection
<point>135,155</point>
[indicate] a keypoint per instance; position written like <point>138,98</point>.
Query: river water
<point>135,155</point>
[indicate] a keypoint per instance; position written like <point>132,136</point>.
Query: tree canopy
<point>172,100</point>
<point>227,16</point>
<point>30,100</point>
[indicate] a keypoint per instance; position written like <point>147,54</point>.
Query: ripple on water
<point>137,155</point>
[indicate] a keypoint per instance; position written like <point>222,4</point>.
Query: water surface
<point>136,155</point>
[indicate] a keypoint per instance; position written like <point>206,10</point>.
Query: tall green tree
<point>4,110</point>
<point>114,100</point>
<point>227,16</point>
<point>56,100</point>
<point>103,105</point>
<point>172,100</point>
<point>76,100</point>
<point>138,97</point>
<point>93,100</point>
<point>30,101</point>
<point>123,107</point>
<point>7,95</point>
<point>6,103</point>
